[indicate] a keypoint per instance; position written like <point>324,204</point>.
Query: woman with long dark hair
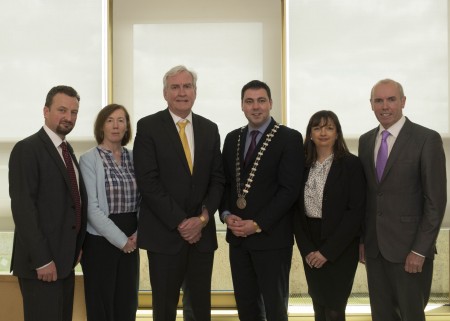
<point>328,227</point>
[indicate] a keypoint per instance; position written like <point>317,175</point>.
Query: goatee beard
<point>63,130</point>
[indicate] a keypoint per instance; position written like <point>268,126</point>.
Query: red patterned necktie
<point>73,184</point>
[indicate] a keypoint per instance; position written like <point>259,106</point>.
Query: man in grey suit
<point>48,203</point>
<point>405,169</point>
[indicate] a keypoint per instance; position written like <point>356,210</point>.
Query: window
<point>337,50</point>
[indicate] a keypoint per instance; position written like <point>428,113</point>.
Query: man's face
<point>387,104</point>
<point>180,93</point>
<point>61,115</point>
<point>256,106</point>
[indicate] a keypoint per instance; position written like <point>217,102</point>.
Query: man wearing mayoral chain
<point>263,164</point>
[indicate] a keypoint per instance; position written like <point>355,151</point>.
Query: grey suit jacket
<point>405,209</point>
<point>43,209</point>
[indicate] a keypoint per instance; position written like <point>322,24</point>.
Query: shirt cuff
<point>224,215</point>
<point>39,268</point>
<point>418,254</point>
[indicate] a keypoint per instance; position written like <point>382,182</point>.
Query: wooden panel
<point>11,299</point>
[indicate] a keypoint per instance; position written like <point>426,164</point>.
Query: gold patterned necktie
<point>184,142</point>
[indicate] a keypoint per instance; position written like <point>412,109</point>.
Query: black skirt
<point>331,285</point>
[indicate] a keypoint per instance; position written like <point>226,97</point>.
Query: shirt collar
<point>56,140</point>
<point>326,162</point>
<point>394,130</point>
<point>261,128</point>
<point>176,118</point>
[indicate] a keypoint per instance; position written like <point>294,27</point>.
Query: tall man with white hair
<point>179,173</point>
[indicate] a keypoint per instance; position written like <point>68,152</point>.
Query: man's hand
<point>414,263</point>
<point>308,259</point>
<point>47,273</point>
<point>315,259</point>
<point>240,227</point>
<point>191,229</point>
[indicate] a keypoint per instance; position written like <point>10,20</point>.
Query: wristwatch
<point>202,218</point>
<point>258,229</point>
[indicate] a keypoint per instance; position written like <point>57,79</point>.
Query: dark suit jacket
<point>343,208</point>
<point>275,187</point>
<point>405,210</point>
<point>169,192</point>
<point>43,209</point>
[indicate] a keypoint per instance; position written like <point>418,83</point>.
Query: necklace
<point>241,202</point>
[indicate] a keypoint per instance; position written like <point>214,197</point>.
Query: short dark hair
<point>255,84</point>
<point>103,115</point>
<point>66,90</point>
<point>340,148</point>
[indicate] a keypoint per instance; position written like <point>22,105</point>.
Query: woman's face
<point>325,134</point>
<point>115,127</point>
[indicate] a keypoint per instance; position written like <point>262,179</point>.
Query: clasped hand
<point>191,229</point>
<point>240,227</point>
<point>131,244</point>
<point>47,273</point>
<point>315,260</point>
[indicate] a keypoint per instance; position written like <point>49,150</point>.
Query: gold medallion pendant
<point>241,203</point>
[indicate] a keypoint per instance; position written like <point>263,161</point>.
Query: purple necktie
<point>251,148</point>
<point>382,154</point>
<point>73,184</point>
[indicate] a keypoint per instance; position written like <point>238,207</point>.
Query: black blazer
<point>275,188</point>
<point>169,192</point>
<point>343,208</point>
<point>43,209</point>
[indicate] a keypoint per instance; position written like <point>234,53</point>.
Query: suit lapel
<point>199,138</point>
<point>333,174</point>
<point>174,138</point>
<point>371,152</point>
<point>243,135</point>
<point>258,146</point>
<point>72,155</point>
<point>53,152</point>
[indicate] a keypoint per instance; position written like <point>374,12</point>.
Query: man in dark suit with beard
<point>48,203</point>
<point>263,165</point>
<point>179,173</point>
